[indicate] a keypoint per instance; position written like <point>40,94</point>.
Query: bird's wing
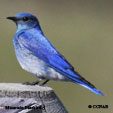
<point>40,47</point>
<point>43,49</point>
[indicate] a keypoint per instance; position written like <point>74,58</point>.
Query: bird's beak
<point>12,18</point>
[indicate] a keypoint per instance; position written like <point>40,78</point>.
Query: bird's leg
<point>33,83</point>
<point>44,82</point>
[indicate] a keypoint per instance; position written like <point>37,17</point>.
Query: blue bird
<point>37,55</point>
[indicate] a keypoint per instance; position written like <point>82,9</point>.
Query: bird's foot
<point>31,83</point>
<point>44,83</point>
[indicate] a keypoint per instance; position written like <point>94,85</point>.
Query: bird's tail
<point>89,86</point>
<point>93,89</point>
<point>83,82</point>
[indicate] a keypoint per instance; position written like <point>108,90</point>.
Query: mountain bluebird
<point>37,55</point>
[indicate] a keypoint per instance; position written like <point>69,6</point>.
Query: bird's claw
<point>31,83</point>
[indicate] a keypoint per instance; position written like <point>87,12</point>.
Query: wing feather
<point>44,50</point>
<point>40,47</point>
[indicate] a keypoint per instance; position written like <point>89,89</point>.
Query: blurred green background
<point>82,30</point>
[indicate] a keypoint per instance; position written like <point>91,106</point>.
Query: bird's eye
<point>25,19</point>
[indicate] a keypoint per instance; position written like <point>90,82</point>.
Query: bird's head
<point>24,21</point>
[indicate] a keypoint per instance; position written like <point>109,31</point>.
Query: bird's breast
<point>36,66</point>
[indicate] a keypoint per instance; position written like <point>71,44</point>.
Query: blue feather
<point>39,46</point>
<point>32,46</point>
